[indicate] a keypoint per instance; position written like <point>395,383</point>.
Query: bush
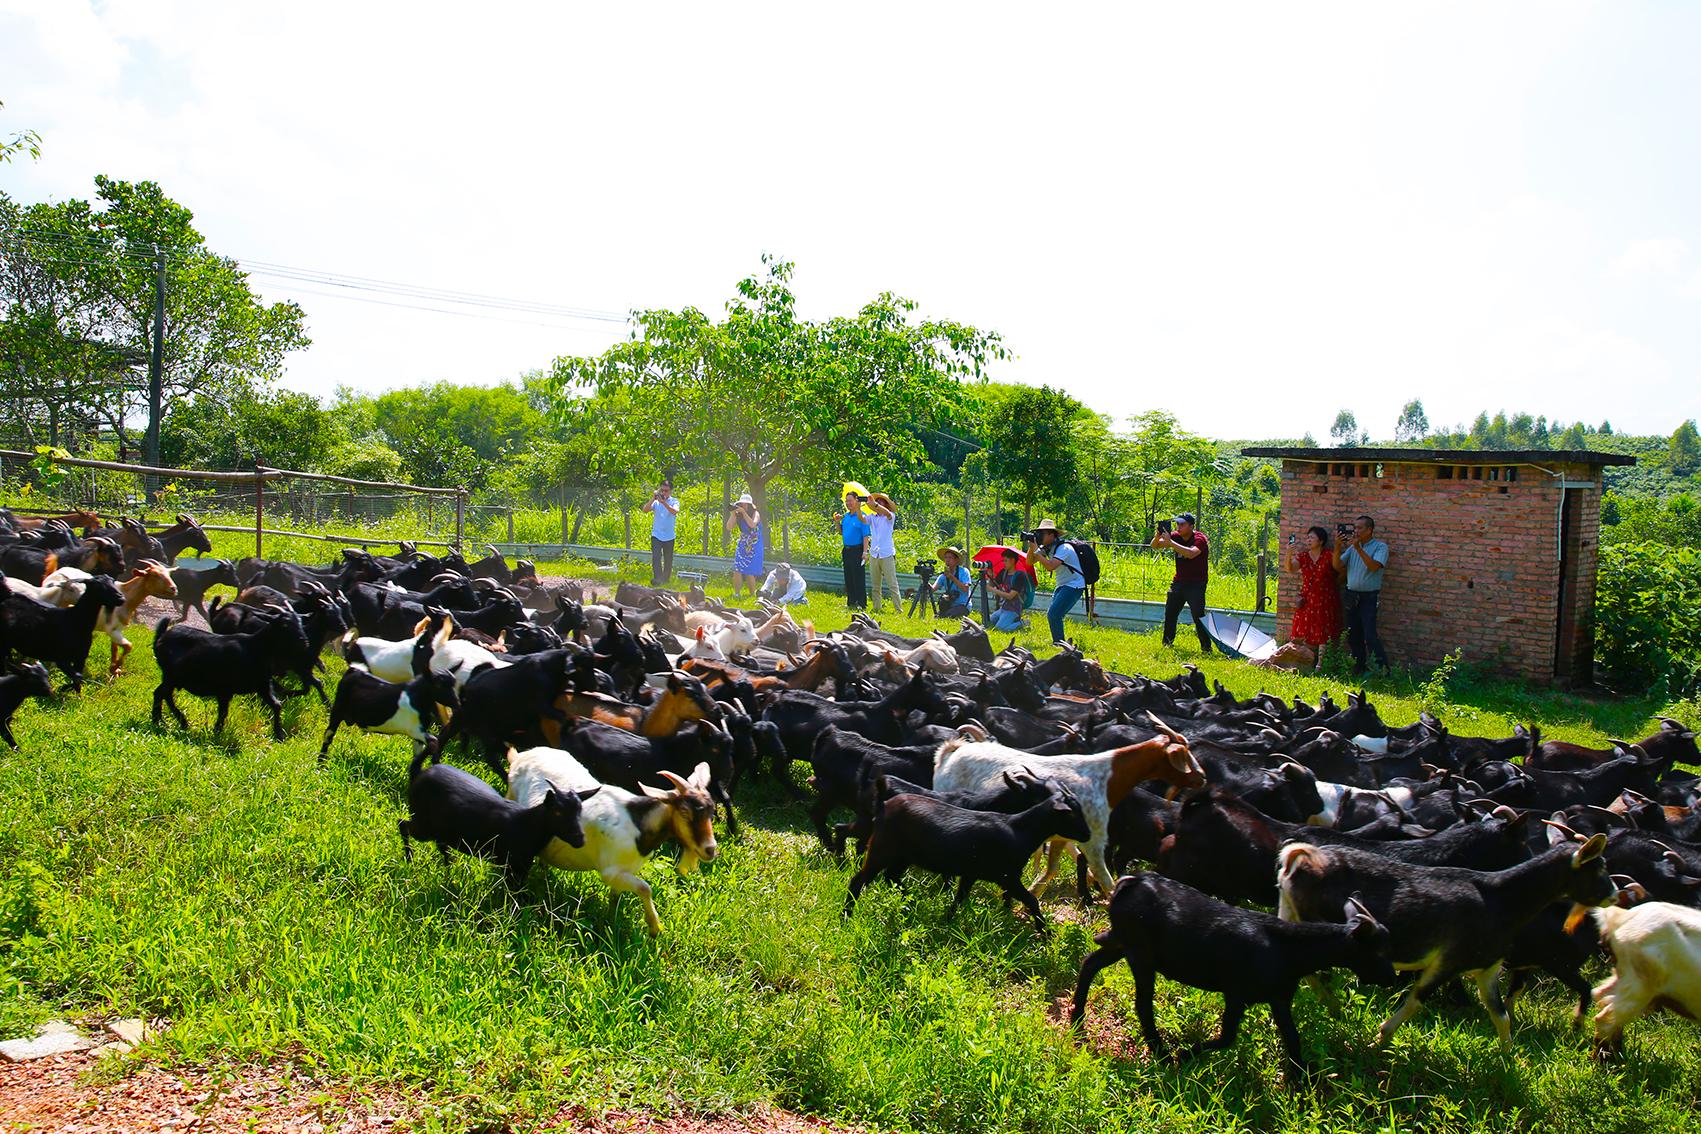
<point>1648,617</point>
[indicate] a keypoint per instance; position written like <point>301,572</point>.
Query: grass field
<point>260,902</point>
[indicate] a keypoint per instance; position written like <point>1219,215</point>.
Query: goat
<point>223,665</point>
<point>60,635</point>
<point>148,580</point>
<point>1099,780</point>
<point>380,706</point>
<point>916,830</point>
<point>15,688</point>
<point>1161,926</point>
<point>456,809</point>
<point>621,828</point>
<point>1656,950</point>
<point>192,586</point>
<point>625,759</point>
<point>1445,921</point>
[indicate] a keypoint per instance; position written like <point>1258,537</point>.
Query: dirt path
<point>69,1094</point>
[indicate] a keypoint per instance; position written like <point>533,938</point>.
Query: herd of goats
<point>618,727</point>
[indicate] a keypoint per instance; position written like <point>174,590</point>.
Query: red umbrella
<point>993,555</point>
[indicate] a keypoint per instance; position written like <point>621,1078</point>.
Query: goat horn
<point>679,784</point>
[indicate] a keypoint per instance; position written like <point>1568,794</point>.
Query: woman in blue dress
<point>747,555</point>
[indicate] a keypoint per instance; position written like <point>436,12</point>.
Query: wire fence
<point>259,500</point>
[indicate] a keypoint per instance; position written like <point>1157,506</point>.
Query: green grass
<point>261,903</point>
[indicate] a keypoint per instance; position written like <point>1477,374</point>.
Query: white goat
<point>618,823</point>
<point>1656,950</point>
<point>932,655</point>
<point>393,661</point>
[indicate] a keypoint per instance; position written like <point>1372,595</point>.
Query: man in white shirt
<point>784,586</point>
<point>882,550</point>
<point>663,508</point>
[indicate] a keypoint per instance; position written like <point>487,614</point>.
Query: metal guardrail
<point>1127,614</point>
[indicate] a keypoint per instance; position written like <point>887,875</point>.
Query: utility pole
<point>156,375</point>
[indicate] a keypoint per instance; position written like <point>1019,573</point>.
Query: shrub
<point>1648,617</point>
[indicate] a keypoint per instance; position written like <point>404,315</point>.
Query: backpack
<point>1089,560</point>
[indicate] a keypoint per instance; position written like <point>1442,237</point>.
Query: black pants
<point>1361,629</point>
<point>1192,595</point>
<point>856,578</point>
<point>661,562</point>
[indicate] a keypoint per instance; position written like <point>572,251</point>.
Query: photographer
<point>1362,556</point>
<point>784,586</point>
<point>953,585</point>
<point>1045,543</point>
<point>854,534</point>
<point>1192,569</point>
<point>1013,589</point>
<point>663,508</point>
<point>747,554</point>
<point>883,550</point>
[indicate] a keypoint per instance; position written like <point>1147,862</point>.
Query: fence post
<point>726,506</point>
<point>511,525</point>
<point>1263,563</point>
<point>708,505</point>
<point>564,512</point>
<point>460,515</point>
<point>259,510</point>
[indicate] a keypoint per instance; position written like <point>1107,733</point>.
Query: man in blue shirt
<point>663,508</point>
<point>1364,558</point>
<point>1059,558</point>
<point>953,584</point>
<point>854,531</point>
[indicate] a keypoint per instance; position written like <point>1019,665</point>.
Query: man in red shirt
<point>1192,568</point>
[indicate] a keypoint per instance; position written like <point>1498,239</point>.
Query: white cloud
<point>1661,256</point>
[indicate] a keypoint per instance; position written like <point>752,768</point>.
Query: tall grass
<point>261,903</point>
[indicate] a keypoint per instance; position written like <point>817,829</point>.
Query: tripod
<point>925,597</point>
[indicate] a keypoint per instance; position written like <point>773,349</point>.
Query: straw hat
<point>1047,526</point>
<point>746,498</point>
<point>945,549</point>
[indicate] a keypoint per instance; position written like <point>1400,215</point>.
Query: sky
<point>1250,215</point>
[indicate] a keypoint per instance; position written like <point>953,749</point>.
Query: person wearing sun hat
<point>882,551</point>
<point>953,584</point>
<point>747,554</point>
<point>1059,558</point>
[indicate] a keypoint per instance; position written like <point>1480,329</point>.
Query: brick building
<point>1492,552</point>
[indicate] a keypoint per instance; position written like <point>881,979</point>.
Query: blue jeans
<point>1063,600</point>
<point>1005,620</point>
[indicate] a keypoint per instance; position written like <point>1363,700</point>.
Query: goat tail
<point>418,764</point>
<point>1290,860</point>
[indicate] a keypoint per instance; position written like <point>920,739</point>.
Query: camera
<point>1029,537</point>
<point>925,569</point>
<point>1345,531</point>
<point>1163,527</point>
<point>1292,539</point>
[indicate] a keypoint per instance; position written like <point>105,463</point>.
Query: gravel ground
<point>69,1094</point>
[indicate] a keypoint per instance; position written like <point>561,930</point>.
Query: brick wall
<point>1473,558</point>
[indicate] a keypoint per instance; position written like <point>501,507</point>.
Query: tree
<point>1574,437</point>
<point>1161,457</point>
<point>1684,452</point>
<point>21,142</point>
<point>1024,427</point>
<point>451,434</point>
<point>762,393</point>
<point>80,294</point>
<point>1413,424</point>
<point>1345,431</point>
<point>286,428</point>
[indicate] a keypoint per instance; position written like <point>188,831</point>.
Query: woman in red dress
<point>1317,622</point>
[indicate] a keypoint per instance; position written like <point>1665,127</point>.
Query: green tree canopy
<point>1027,430</point>
<point>763,393</point>
<point>1413,424</point>
<point>1683,456</point>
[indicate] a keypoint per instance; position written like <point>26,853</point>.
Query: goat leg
<point>1014,888</point>
<point>270,697</point>
<point>1107,954</point>
<point>331,727</point>
<point>1295,1070</point>
<point>964,885</point>
<point>6,734</point>
<point>1145,984</point>
<point>407,841</point>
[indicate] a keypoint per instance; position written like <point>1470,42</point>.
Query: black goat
<point>60,635</point>
<point>627,760</point>
<point>1161,926</point>
<point>192,585</point>
<point>500,704</point>
<point>380,706</point>
<point>223,665</point>
<point>971,846</point>
<point>456,809</point>
<point>1445,921</point>
<point>15,688</point>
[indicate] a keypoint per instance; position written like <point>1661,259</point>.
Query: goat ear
<point>588,792</point>
<point>699,776</point>
<point>1591,849</point>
